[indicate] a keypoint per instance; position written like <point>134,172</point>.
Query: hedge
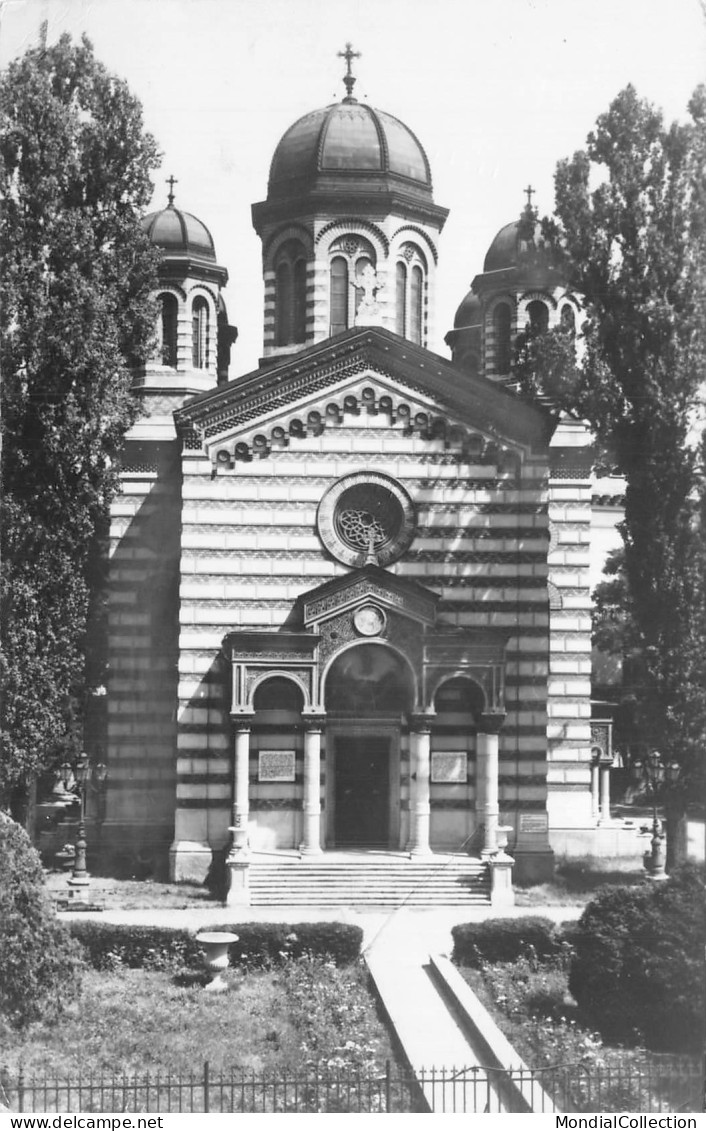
<point>504,940</point>
<point>109,944</point>
<point>638,966</point>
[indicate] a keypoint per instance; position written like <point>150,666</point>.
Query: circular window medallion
<point>369,620</point>
<point>366,518</point>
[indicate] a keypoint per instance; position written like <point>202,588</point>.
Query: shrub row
<point>110,944</point>
<point>504,940</point>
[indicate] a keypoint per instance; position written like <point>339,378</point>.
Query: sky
<point>497,92</point>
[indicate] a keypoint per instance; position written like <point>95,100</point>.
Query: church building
<point>349,605</point>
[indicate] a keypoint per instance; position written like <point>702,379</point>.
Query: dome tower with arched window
<point>518,288</point>
<point>193,337</point>
<point>349,228</point>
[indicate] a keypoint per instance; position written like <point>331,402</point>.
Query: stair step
<point>371,883</point>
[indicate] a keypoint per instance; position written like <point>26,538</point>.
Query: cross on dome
<point>530,193</point>
<point>171,181</point>
<point>349,79</point>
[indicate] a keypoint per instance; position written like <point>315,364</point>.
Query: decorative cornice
<point>478,401</point>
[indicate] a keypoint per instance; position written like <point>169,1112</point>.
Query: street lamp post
<point>654,773</point>
<point>80,880</point>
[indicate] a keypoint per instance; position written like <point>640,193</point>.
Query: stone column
<point>311,840</point>
<point>240,810</point>
<point>604,817</point>
<point>238,859</point>
<point>594,789</point>
<point>420,734</point>
<point>487,747</point>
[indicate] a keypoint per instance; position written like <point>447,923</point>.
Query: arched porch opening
<point>459,702</point>
<point>368,691</point>
<point>276,759</point>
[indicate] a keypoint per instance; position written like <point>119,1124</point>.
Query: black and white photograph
<point>352,561</point>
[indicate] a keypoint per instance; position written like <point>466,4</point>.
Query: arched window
<point>283,303</point>
<point>299,304</point>
<point>502,320</point>
<point>416,304</point>
<point>339,295</point>
<point>290,294</point>
<point>410,293</point>
<point>568,319</point>
<point>538,314</point>
<point>400,299</point>
<point>199,333</point>
<point>168,330</point>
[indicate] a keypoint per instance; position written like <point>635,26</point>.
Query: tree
<point>75,168</point>
<point>40,964</point>
<point>637,969</point>
<point>630,238</point>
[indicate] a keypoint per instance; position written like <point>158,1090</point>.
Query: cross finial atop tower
<point>349,79</point>
<point>530,193</point>
<point>171,181</point>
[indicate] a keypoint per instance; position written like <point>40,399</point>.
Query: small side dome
<point>469,312</point>
<point>179,233</point>
<point>520,243</point>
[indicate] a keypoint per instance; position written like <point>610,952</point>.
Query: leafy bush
<point>504,940</point>
<point>109,945</point>
<point>39,963</point>
<point>637,971</point>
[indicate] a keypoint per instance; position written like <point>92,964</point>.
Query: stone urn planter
<point>215,956</point>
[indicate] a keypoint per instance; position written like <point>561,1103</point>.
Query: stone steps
<point>389,883</point>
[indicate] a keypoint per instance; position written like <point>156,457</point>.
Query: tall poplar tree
<point>630,236</point>
<point>75,282</point>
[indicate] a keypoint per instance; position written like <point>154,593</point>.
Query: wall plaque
<point>534,822</point>
<point>449,767</point>
<point>276,765</point>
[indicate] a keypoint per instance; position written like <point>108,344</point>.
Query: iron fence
<point>655,1084</point>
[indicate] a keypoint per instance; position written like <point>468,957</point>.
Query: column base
<point>238,882</point>
<point>304,850</point>
<point>78,889</point>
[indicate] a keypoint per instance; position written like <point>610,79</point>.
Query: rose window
<point>365,518</point>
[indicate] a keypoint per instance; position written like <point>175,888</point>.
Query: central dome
<point>346,141</point>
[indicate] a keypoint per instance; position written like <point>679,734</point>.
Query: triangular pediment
<point>369,372</point>
<point>362,586</point>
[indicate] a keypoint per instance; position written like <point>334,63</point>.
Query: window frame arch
<point>411,288</point>
<point>200,332</point>
<point>290,266</point>
<point>168,329</point>
<point>359,252</point>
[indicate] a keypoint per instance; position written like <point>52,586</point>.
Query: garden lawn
<point>135,1021</point>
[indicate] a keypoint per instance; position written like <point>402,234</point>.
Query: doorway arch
<point>368,691</point>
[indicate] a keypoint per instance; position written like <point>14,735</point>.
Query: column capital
<point>311,721</point>
<point>242,720</point>
<point>491,722</point>
<point>421,721</point>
